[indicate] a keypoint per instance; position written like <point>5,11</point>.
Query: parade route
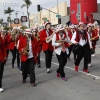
<point>79,86</point>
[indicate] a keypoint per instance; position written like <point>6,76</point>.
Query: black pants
<point>1,72</point>
<point>83,52</point>
<point>62,59</point>
<point>39,63</point>
<point>7,52</point>
<point>70,50</point>
<point>89,58</point>
<point>28,65</point>
<point>48,58</point>
<point>14,52</point>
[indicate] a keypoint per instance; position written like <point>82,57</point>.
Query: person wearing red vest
<point>47,47</point>
<point>13,47</point>
<point>36,35</point>
<point>61,50</point>
<point>95,35</point>
<point>82,39</point>
<point>3,57</point>
<point>28,49</point>
<point>91,34</point>
<point>70,34</point>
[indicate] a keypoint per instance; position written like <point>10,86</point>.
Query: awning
<point>96,16</point>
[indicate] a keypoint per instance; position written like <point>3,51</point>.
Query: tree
<point>26,4</point>
<point>6,28</point>
<point>23,27</point>
<point>9,11</point>
<point>1,21</point>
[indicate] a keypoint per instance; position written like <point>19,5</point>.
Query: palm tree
<point>1,21</point>
<point>26,4</point>
<point>9,11</point>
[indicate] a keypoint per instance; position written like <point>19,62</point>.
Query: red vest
<point>78,36</point>
<point>65,43</point>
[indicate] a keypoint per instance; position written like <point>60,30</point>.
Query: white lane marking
<point>88,74</point>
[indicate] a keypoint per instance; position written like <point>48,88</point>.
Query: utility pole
<point>16,16</point>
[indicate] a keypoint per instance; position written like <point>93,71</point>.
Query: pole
<point>16,17</point>
<point>57,7</point>
<point>58,10</point>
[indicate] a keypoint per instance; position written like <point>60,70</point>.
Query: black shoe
<point>39,66</point>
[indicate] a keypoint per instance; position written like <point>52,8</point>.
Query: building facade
<point>81,10</point>
<point>33,20</point>
<point>61,9</point>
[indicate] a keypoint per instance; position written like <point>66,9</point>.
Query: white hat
<point>15,28</point>
<point>72,26</point>
<point>60,27</point>
<point>81,23</point>
<point>28,31</point>
<point>46,23</point>
<point>90,25</point>
<point>33,29</point>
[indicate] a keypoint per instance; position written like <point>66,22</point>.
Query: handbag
<point>75,48</point>
<point>92,51</point>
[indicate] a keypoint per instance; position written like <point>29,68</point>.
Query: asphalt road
<point>79,86</point>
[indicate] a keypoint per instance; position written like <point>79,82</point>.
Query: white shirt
<point>81,42</point>
<point>68,37</point>
<point>30,54</point>
<point>59,49</point>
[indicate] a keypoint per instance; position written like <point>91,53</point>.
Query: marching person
<point>46,46</point>
<point>28,49</point>
<point>3,57</point>
<point>90,32</point>
<point>36,35</point>
<point>95,37</point>
<point>13,47</point>
<point>61,50</point>
<point>70,34</point>
<point>82,39</point>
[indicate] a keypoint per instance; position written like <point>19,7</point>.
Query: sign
<point>59,16</point>
<point>4,24</point>
<point>16,21</point>
<point>23,18</point>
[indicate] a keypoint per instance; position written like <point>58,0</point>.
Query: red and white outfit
<point>84,44</point>
<point>61,52</point>
<point>27,61</point>
<point>47,48</point>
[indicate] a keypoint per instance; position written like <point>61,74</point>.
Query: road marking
<point>88,74</point>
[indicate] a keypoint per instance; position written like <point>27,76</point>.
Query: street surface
<point>79,86</point>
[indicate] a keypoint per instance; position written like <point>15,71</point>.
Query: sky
<point>16,4</point>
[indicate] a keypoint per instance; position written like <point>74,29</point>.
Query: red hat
<point>81,23</point>
<point>45,23</point>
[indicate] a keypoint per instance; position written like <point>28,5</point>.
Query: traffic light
<point>59,20</point>
<point>38,7</point>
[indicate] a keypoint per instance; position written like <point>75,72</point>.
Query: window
<point>78,7</point>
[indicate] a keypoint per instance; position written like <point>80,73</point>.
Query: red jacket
<point>43,36</point>
<point>7,41</point>
<point>22,45</point>
<point>2,50</point>
<point>12,43</point>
